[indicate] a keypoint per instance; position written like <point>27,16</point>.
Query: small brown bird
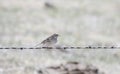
<point>50,41</point>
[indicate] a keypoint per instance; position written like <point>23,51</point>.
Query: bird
<point>50,41</point>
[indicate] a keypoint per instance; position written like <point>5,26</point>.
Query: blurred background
<point>78,22</point>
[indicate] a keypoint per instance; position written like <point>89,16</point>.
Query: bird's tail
<point>38,45</point>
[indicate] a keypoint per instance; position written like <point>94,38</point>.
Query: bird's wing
<point>43,42</point>
<point>46,40</point>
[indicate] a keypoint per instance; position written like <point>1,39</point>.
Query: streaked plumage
<point>50,41</point>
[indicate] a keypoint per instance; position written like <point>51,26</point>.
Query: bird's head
<point>55,35</point>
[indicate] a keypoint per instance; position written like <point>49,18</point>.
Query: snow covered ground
<point>79,23</point>
<point>30,61</point>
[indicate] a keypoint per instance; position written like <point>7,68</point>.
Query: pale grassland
<point>79,23</point>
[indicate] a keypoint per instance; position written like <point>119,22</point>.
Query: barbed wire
<point>79,47</point>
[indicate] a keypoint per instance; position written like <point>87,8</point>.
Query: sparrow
<point>50,41</point>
